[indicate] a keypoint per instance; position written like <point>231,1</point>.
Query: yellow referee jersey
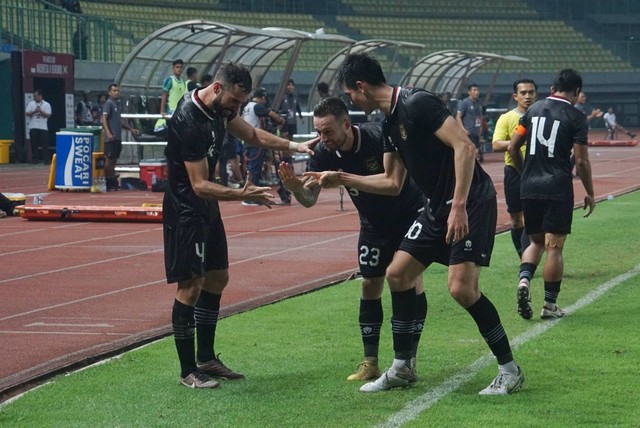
<point>506,124</point>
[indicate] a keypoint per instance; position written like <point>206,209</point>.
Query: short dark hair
<point>525,80</point>
<point>323,87</point>
<point>191,71</point>
<point>37,91</point>
<point>291,81</point>
<point>234,74</point>
<point>113,85</point>
<point>178,61</point>
<point>331,106</point>
<point>567,80</point>
<point>473,85</point>
<point>206,78</point>
<point>259,92</point>
<point>360,66</point>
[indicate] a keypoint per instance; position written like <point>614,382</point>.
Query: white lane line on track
<point>97,296</point>
<point>82,241</point>
<point>415,407</point>
<point>68,333</point>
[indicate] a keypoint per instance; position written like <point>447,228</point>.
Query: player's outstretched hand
<point>288,177</point>
<point>307,146</point>
<point>254,193</point>
<point>589,202</point>
<point>326,179</point>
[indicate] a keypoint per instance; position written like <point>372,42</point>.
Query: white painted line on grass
<point>413,409</point>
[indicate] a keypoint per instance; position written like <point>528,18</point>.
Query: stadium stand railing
<point>507,27</point>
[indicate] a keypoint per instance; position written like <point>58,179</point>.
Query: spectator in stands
<point>469,116</point>
<point>80,41</point>
<point>384,219</point>
<point>612,125</point>
<point>72,6</point>
<point>173,88</point>
<point>38,112</point>
<point>192,79</point>
<point>83,110</point>
<point>112,127</point>
<point>323,90</point>
<point>256,113</point>
<point>551,128</point>
<point>524,93</point>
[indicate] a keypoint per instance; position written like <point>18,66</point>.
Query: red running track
<point>71,293</point>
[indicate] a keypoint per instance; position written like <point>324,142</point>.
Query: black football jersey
<point>366,158</point>
<point>194,132</point>
<point>416,115</point>
<point>553,126</point>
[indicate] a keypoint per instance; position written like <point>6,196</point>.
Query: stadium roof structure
<point>206,46</point>
<point>330,68</point>
<point>449,71</point>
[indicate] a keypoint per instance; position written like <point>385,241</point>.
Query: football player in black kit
<point>383,219</point>
<point>552,128</point>
<point>458,229</point>
<point>195,244</point>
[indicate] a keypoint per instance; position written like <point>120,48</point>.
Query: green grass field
<point>296,354</point>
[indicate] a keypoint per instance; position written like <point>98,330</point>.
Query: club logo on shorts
<point>403,132</point>
<point>468,246</point>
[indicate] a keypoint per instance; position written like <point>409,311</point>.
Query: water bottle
<point>103,184</point>
<point>154,178</point>
<point>95,186</point>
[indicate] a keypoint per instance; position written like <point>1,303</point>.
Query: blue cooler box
<point>74,160</point>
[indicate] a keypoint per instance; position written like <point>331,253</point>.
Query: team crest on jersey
<point>403,132</point>
<point>372,164</point>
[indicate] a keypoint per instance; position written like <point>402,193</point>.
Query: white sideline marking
<point>413,409</point>
<point>46,324</point>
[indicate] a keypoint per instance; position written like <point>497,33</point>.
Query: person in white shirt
<point>38,112</point>
<point>612,125</point>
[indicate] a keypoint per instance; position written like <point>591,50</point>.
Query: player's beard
<point>219,109</point>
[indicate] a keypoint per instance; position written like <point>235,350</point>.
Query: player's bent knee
<point>372,288</point>
<point>552,240</point>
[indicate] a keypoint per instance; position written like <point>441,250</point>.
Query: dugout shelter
<point>450,70</point>
<point>207,45</point>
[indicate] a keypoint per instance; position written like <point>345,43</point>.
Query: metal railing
<point>29,25</point>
